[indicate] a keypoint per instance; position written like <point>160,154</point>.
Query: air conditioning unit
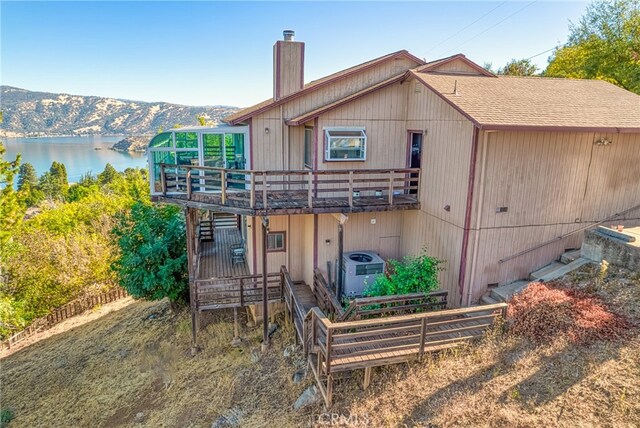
<point>359,269</point>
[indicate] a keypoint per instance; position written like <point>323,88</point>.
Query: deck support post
<point>223,186</point>
<point>188,183</point>
<point>236,331</point>
<point>191,218</point>
<point>194,332</point>
<point>265,291</point>
<point>163,179</point>
<point>339,275</point>
<point>367,377</point>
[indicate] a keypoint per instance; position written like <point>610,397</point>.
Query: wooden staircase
<point>206,231</point>
<point>225,221</point>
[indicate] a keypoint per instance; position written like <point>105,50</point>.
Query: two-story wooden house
<point>496,175</point>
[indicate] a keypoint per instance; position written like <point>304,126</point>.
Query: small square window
<point>276,241</point>
<point>346,144</point>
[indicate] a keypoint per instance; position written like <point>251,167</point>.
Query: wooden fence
<point>71,309</point>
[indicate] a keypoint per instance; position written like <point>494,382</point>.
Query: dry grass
<point>137,360</point>
<point>103,373</point>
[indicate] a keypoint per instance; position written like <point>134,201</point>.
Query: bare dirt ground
<point>132,368</point>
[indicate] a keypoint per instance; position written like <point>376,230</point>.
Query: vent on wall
<point>502,209</point>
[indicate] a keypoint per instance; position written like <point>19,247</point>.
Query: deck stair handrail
<point>238,291</point>
<point>565,235</point>
<point>368,307</point>
<point>305,186</point>
<point>327,299</point>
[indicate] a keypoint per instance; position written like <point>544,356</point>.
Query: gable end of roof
<point>249,112</point>
<point>431,67</point>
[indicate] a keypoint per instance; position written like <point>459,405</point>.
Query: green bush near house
<point>412,274</point>
<point>152,263</point>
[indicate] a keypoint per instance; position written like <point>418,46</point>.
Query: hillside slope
<point>28,113</point>
<point>133,368</point>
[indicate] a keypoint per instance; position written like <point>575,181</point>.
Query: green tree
<point>54,183</point>
<point>28,190</point>
<point>87,179</point>
<point>27,176</point>
<point>153,255</point>
<point>488,66</point>
<point>108,175</point>
<point>413,274</point>
<point>604,44</point>
<point>519,67</point>
<point>11,211</point>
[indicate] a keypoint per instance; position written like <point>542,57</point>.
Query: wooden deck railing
<point>264,190</point>
<point>371,307</point>
<point>216,293</point>
<point>327,299</point>
<point>351,345</point>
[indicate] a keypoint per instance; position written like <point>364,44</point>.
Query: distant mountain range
<point>27,113</point>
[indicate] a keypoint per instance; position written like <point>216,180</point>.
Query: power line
<point>543,52</point>
<point>464,28</point>
<point>491,27</point>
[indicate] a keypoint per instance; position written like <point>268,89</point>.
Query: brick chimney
<point>288,66</point>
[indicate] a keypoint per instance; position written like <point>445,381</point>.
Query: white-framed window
<point>345,144</point>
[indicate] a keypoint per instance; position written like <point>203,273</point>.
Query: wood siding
<point>446,155</point>
<point>288,68</point>
<point>552,183</point>
<point>382,114</point>
<point>454,67</point>
<point>383,237</point>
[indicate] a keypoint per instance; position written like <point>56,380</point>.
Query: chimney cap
<point>288,35</point>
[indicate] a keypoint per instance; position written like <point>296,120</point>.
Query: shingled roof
<point>537,103</point>
<point>246,113</point>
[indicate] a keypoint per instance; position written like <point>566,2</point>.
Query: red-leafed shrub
<point>541,313</point>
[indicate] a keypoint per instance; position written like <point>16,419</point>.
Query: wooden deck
<point>256,193</point>
<point>215,256</point>
<point>340,346</point>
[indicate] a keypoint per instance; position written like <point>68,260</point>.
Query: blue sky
<point>203,53</point>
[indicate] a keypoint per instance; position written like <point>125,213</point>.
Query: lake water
<point>78,154</point>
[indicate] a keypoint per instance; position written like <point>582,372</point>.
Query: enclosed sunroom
<point>220,147</point>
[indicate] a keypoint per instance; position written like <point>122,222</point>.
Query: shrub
<point>153,255</point>
<point>542,312</point>
<point>6,416</point>
<point>413,274</point>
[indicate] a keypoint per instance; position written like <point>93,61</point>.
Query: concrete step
<point>570,256</point>
<point>486,299</point>
<point>505,292</point>
<point>551,267</point>
<point>564,269</point>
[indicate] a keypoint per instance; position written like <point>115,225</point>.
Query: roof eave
<point>559,128</point>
